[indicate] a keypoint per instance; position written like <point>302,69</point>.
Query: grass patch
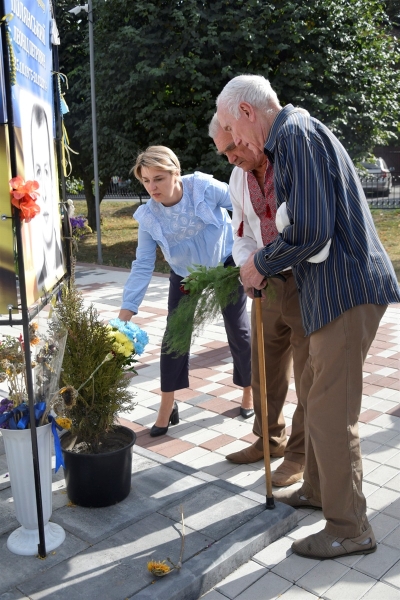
<point>119,235</point>
<point>387,223</point>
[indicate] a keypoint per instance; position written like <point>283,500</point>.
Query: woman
<point>187,217</point>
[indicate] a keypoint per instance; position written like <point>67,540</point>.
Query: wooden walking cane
<point>270,503</point>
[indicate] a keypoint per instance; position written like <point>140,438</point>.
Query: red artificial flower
<point>28,208</point>
<point>24,196</point>
<point>183,290</point>
<point>22,188</point>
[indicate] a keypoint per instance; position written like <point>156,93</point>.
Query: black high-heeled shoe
<point>246,413</point>
<point>173,420</point>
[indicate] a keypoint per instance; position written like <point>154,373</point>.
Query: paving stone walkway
<point>210,428</point>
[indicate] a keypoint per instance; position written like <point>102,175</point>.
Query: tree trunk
<point>90,202</point>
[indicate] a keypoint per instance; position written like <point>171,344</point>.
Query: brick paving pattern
<point>210,428</point>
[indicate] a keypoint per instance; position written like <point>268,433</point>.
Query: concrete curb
<point>202,572</point>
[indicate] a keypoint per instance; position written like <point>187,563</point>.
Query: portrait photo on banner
<point>43,255</point>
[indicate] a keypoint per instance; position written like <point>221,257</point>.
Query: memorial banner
<point>30,25</point>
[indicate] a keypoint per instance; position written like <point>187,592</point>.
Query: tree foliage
<point>160,66</point>
<point>392,8</point>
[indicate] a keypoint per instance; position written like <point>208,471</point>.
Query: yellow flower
<point>128,348</point>
<point>64,422</point>
<point>158,568</point>
<point>122,344</point>
<point>117,348</point>
<point>119,337</point>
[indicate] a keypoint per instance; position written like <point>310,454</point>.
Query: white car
<point>377,178</point>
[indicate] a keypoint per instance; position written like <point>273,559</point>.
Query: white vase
<point>18,447</point>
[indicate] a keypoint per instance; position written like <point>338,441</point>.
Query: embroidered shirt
<point>316,178</point>
<point>264,204</point>
<point>197,230</point>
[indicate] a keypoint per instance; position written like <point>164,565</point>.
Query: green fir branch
<point>210,290</point>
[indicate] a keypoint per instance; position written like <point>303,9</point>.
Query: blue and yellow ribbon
<point>65,147</point>
<point>57,444</point>
<point>22,411</point>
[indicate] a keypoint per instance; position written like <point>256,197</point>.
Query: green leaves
<point>160,66</point>
<point>103,396</point>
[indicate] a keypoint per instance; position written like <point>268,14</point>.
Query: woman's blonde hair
<point>156,157</point>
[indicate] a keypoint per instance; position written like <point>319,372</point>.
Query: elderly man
<point>342,299</point>
<point>251,188</point>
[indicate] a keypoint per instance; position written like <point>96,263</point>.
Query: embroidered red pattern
<point>264,204</point>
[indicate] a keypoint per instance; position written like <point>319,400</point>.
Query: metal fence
<point>127,190</point>
<point>119,190</point>
<point>381,193</point>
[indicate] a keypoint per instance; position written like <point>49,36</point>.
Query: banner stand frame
<point>27,313</point>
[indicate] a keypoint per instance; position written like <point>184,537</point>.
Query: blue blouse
<point>197,230</point>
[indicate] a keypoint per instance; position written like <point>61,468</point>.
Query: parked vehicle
<point>377,177</point>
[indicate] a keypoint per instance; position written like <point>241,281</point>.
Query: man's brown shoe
<point>248,455</point>
<point>321,545</point>
<point>287,473</point>
<point>254,453</point>
<point>294,498</point>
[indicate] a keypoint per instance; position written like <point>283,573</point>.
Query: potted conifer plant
<point>97,452</point>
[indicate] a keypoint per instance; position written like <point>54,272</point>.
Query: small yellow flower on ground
<point>158,568</point>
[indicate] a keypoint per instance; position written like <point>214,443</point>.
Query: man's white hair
<point>254,89</point>
<point>214,126</point>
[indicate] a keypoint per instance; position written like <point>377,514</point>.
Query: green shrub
<point>95,409</point>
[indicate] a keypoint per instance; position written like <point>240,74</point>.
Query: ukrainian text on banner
<point>30,25</point>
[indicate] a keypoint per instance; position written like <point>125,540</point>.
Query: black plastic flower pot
<point>96,480</point>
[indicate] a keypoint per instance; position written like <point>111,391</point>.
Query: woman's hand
<point>125,314</point>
